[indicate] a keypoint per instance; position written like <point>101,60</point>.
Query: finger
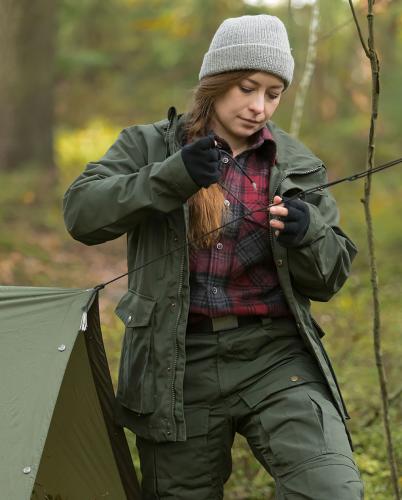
<point>279,210</point>
<point>206,142</point>
<point>277,200</point>
<point>297,204</point>
<point>291,228</point>
<point>213,155</point>
<point>277,224</point>
<point>294,214</point>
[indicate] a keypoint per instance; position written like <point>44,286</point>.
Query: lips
<point>252,122</point>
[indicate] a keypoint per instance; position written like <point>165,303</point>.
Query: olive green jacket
<point>140,187</point>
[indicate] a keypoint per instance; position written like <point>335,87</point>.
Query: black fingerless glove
<point>201,159</point>
<point>296,223</point>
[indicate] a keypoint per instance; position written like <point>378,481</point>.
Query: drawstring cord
<point>299,195</point>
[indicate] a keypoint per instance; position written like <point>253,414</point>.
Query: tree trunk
<point>27,41</point>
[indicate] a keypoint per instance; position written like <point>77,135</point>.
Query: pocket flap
<point>196,421</point>
<point>294,373</point>
<point>135,309</point>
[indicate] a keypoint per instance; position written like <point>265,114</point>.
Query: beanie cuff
<point>260,57</point>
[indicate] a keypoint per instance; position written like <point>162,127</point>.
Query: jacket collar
<point>292,155</point>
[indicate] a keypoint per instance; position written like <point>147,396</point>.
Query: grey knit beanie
<point>250,42</point>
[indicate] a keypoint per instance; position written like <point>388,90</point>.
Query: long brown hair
<point>207,205</point>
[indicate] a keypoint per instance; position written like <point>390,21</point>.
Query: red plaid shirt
<point>238,275</point>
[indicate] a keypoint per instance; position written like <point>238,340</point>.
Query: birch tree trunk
<point>300,99</point>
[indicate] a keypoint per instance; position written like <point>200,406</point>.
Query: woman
<point>219,337</point>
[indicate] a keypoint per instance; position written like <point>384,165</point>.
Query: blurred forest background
<point>73,74</point>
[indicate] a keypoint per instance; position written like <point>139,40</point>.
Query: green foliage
<point>77,147</point>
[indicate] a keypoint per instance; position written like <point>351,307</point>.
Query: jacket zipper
<point>176,353</point>
<point>316,169</point>
<point>171,116</point>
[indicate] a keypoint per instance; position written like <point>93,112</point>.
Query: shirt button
<point>279,262</point>
<point>226,203</point>
<point>225,159</point>
<point>219,246</point>
<point>214,290</point>
<point>294,378</point>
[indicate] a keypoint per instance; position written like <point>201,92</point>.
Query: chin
<point>245,131</point>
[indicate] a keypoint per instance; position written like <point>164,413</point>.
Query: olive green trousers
<point>261,382</point>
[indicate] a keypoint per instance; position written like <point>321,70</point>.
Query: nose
<point>257,104</point>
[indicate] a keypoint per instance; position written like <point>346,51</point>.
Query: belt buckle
<point>224,323</point>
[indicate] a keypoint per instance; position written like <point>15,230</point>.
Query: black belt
<point>223,323</point>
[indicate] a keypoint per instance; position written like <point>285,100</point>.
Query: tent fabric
<point>57,432</point>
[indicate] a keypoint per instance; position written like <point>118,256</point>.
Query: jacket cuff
<point>179,178</point>
<point>316,228</point>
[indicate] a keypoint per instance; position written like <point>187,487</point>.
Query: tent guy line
<point>299,195</point>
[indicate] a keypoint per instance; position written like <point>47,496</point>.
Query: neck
<point>236,145</point>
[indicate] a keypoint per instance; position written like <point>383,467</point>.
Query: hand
<point>201,159</point>
<point>295,217</point>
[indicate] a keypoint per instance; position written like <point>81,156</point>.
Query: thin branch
<point>377,411</point>
<point>308,72</point>
<point>340,26</point>
<point>365,48</point>
<point>370,51</point>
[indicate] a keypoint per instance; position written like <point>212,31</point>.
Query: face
<point>246,107</point>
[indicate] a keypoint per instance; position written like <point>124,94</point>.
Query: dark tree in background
<point>27,44</point>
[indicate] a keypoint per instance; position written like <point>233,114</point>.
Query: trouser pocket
<point>301,423</point>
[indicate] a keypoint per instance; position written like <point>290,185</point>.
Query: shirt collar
<point>262,141</point>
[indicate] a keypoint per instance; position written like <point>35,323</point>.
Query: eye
<point>273,96</point>
<point>246,90</point>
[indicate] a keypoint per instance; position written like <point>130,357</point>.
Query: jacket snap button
<point>225,159</point>
<point>279,262</point>
<point>294,378</point>
<point>129,319</point>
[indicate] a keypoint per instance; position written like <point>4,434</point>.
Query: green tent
<point>58,437</point>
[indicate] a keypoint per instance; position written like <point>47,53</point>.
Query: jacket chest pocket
<point>136,374</point>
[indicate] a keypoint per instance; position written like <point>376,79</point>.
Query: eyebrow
<point>271,86</point>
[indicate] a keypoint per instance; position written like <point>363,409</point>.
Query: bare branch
<point>377,411</point>
<point>365,48</point>
<point>375,95</point>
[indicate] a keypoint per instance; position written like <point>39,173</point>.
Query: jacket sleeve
<point>120,190</point>
<point>320,265</point>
